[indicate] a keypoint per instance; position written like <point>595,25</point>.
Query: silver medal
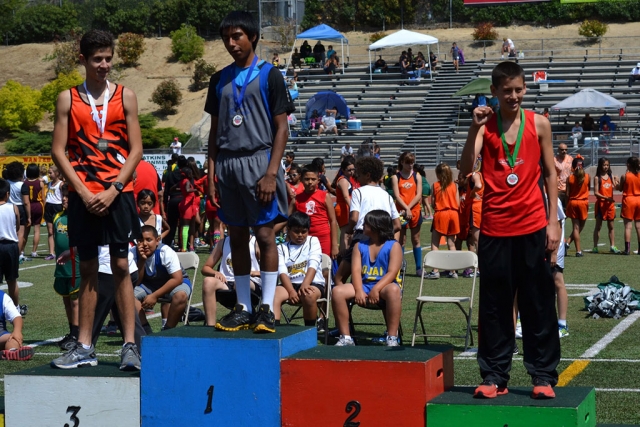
<point>512,179</point>
<point>237,120</point>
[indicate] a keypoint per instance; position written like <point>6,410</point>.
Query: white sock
<point>164,322</point>
<point>269,282</point>
<point>347,337</point>
<point>562,323</point>
<point>86,347</point>
<point>243,292</point>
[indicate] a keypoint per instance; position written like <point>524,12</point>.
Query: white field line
<point>37,266</point>
<point>613,334</point>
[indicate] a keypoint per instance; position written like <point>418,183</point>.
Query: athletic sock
<point>562,323</point>
<point>86,347</point>
<point>216,237</point>
<point>74,330</point>
<point>164,322</point>
<point>269,282</point>
<point>627,247</point>
<point>309,323</point>
<point>185,237</point>
<point>243,292</point>
<point>417,256</point>
<point>277,323</point>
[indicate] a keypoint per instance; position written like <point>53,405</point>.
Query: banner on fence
<point>39,160</point>
<point>159,161</point>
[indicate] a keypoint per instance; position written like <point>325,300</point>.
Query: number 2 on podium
<point>354,406</point>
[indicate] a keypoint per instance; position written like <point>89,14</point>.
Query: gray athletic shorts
<point>238,174</point>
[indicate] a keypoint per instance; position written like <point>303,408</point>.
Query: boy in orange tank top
<point>97,123</point>
<point>517,238</point>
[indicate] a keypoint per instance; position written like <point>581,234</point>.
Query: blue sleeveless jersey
<point>372,272</point>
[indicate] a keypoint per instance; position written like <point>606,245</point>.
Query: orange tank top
<point>631,185</point>
<point>579,192</point>
<point>445,200</point>
<point>606,186</point>
<point>96,159</point>
<point>408,189</point>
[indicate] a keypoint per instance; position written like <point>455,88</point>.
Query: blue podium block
<point>201,376</point>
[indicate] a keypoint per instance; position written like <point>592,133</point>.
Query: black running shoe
<point>237,320</point>
<point>264,320</point>
<point>67,342</point>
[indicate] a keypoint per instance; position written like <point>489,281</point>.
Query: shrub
<point>66,53</point>
<point>29,143</point>
<point>130,48</point>
<point>376,36</point>
<point>202,71</point>
<point>167,95</point>
<point>161,137</point>
<point>43,22</point>
<point>285,30</point>
<point>147,121</point>
<point>19,106</point>
<point>484,31</point>
<point>592,28</point>
<point>49,92</point>
<point>186,44</point>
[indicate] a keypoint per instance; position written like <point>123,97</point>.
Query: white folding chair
<point>188,261</point>
<point>447,260</point>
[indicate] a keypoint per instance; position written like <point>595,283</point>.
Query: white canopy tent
<point>403,38</point>
<point>589,99</point>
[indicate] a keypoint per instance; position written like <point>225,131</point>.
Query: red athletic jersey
<point>146,179</point>
<point>447,199</point>
<point>98,168</point>
<point>521,209</point>
<point>315,206</point>
<point>579,192</point>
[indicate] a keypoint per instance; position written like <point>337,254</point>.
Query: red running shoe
<point>489,390</point>
<point>22,353</point>
<point>542,389</point>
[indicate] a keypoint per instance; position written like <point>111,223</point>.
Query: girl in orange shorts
<point>445,202</point>
<point>578,185</point>
<point>603,185</point>
<point>630,187</point>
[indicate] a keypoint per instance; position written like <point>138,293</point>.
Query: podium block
<point>373,386</point>
<point>98,396</point>
<point>201,376</point>
<point>572,407</point>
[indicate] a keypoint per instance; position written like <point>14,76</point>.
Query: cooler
<point>354,124</point>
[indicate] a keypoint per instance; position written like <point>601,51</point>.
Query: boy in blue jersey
<point>249,103</point>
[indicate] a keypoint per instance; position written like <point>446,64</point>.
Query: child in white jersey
<point>9,252</point>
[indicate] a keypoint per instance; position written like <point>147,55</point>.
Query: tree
<point>186,44</point>
<point>167,95</point>
<point>19,106</point>
<point>130,48</point>
<point>49,92</point>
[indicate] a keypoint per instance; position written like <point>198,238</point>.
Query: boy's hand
<point>361,298</point>
<point>99,203</point>
<point>141,254</point>
<point>149,301</point>
<point>266,188</point>
<point>17,338</point>
<point>481,115</point>
<point>64,257</point>
<point>553,236</point>
<point>335,250</point>
<point>293,297</point>
<point>220,276</point>
<point>374,296</point>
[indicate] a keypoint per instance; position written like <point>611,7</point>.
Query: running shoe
<point>516,350</point>
<point>432,275</point>
<point>392,341</point>
<point>579,254</point>
<point>381,340</point>
<point>566,246</point>
<point>50,257</point>
<point>237,319</point>
<point>23,309</point>
<point>64,342</point>
<point>595,250</point>
<point>615,250</point>
<point>321,325</point>
<point>22,353</point>
<point>345,342</point>
<point>34,254</point>
<point>76,357</point>
<point>468,273</point>
<point>419,272</point>
<point>451,274</point>
<point>518,329</point>
<point>542,389</point>
<point>264,320</point>
<point>130,358</point>
<point>489,390</point>
<point>563,331</point>
<point>112,328</point>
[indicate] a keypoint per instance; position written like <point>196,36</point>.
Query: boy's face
<point>237,43</point>
<point>298,235</point>
<point>294,177</point>
<point>149,243</point>
<point>65,200</point>
<point>510,93</point>
<point>310,182</point>
<point>98,64</point>
<point>288,159</point>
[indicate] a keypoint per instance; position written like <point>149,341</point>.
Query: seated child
<point>375,266</point>
<point>12,341</point>
<point>299,267</point>
<point>223,278</point>
<point>160,275</point>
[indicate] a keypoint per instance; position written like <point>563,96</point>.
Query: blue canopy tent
<point>324,32</point>
<point>326,100</point>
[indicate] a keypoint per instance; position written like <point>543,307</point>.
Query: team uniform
<point>158,270</point>
<point>342,208</point>
<point>426,188</point>
<point>314,205</point>
<point>33,189</point>
<point>445,216</point>
<point>578,205</point>
<point>147,178</point>
<point>244,151</point>
<point>9,252</point>
<point>226,263</point>
<point>408,189</point>
<point>157,223</point>
<point>8,313</point>
<point>631,197</point>
<point>295,260</point>
<point>97,160</point>
<point>190,204</point>
<point>53,201</point>
<point>562,250</point>
<point>604,209</point>
<point>67,275</point>
<point>512,257</point>
<point>15,198</point>
<point>373,271</point>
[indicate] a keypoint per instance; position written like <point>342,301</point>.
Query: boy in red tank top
<point>516,238</point>
<point>97,123</point>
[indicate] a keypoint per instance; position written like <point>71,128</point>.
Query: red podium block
<point>372,386</point>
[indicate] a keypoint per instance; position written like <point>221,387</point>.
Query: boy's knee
<point>179,298</point>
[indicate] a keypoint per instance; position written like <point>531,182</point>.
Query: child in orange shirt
<point>578,186</point>
<point>630,213</point>
<point>445,202</point>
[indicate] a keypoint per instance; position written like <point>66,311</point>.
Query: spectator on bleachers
<point>381,65</point>
<point>562,162</point>
<point>330,51</point>
<point>479,101</point>
<point>328,123</point>
<point>605,118</point>
<point>605,136</point>
<point>410,57</point>
<point>455,56</point>
<point>421,65</point>
<point>319,52</point>
<point>376,150</point>
<point>433,60</point>
<point>295,59</point>
<point>331,64</point>
<point>507,47</point>
<point>315,120</point>
<point>346,150</point>
<point>404,63</point>
<point>494,104</point>
<point>305,49</point>
<point>635,74</point>
<point>587,123</point>
<point>365,149</point>
<point>576,134</point>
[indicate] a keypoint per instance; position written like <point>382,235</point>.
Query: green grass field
<point>614,371</point>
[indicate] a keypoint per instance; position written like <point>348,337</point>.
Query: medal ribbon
<point>511,158</point>
<point>237,99</point>
<point>100,121</point>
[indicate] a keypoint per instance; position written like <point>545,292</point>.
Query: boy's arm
<point>313,264</point>
<point>209,267</point>
<point>294,298</point>
<point>475,137</point>
<point>17,330</point>
<point>266,186</point>
<point>333,223</point>
<point>17,214</point>
<point>165,227</point>
<point>213,154</point>
<point>151,299</point>
<point>543,128</point>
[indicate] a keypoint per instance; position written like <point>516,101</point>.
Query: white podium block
<point>98,396</point>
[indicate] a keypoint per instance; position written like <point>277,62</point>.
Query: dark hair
<point>13,171</point>
<point>290,154</point>
<point>506,70</point>
<point>419,169</point>
<point>601,165</point>
<point>5,187</point>
<point>310,168</point>
<point>182,162</point>
<point>95,40</point>
<point>174,157</point>
<point>191,163</point>
<point>143,194</point>
<point>299,219</point>
<point>371,166</point>
<point>404,156</point>
<point>187,172</point>
<point>380,222</point>
<point>318,163</point>
<point>391,170</point>
<point>244,21</point>
<point>149,229</point>
<point>633,164</point>
<point>64,188</point>
<point>33,171</point>
<point>346,162</point>
<point>578,170</point>
<point>295,168</point>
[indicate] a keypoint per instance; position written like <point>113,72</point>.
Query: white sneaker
<point>345,342</point>
<point>518,329</point>
<point>392,341</point>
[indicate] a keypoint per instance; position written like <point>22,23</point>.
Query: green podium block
<point>572,407</point>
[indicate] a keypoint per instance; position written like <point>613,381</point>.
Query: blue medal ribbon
<point>237,99</point>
